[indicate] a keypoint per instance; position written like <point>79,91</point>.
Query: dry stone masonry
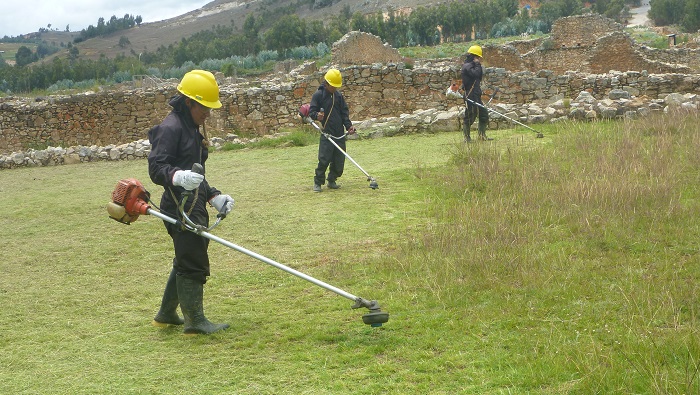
<point>363,48</point>
<point>385,98</point>
<point>591,44</point>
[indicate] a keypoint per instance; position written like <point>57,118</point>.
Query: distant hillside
<point>150,36</point>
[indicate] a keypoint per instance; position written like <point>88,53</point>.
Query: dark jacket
<point>471,79</point>
<point>337,118</point>
<point>176,144</point>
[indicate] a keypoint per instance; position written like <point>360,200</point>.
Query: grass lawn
<point>567,264</point>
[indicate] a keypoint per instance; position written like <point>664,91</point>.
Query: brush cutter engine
<point>129,200</point>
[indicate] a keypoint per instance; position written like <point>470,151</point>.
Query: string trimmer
<point>304,113</point>
<point>130,200</point>
<point>466,99</point>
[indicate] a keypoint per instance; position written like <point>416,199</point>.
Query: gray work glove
<point>187,179</point>
<point>223,203</point>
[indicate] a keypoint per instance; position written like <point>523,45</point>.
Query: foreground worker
<point>472,72</point>
<point>176,145</point>
<point>328,106</point>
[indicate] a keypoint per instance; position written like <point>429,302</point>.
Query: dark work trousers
<point>191,257</point>
<point>473,112</point>
<point>329,156</point>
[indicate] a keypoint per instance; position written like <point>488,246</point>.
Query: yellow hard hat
<point>334,78</point>
<point>475,50</point>
<point>201,86</point>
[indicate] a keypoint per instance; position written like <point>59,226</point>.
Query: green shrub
<point>266,56</point>
<point>295,138</point>
<point>232,146</point>
<point>322,49</point>
<point>301,53</point>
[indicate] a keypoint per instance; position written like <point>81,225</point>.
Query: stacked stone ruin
<point>590,44</point>
<point>389,96</point>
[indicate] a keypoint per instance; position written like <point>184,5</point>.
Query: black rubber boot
<point>191,294</point>
<point>482,133</point>
<point>167,315</point>
<point>466,130</point>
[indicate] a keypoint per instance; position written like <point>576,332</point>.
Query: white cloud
<point>30,15</point>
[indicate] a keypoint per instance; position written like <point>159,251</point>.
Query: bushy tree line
<point>25,55</point>
<point>113,25</point>
<point>459,21</point>
<point>41,76</point>
<point>72,72</point>
<point>685,13</point>
<point>428,26</point>
<point>287,32</point>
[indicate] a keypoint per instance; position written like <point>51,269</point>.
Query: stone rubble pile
<point>53,156</point>
<point>620,104</point>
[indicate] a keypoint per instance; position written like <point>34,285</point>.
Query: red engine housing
<point>304,110</point>
<point>129,200</point>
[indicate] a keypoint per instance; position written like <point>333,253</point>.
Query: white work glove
<point>223,203</point>
<point>187,179</point>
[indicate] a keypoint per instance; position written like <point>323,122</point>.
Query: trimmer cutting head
<point>373,183</point>
<point>376,317</point>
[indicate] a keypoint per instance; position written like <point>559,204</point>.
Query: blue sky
<point>26,16</point>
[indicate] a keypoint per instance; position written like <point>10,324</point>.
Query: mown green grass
<point>286,138</point>
<point>542,266</point>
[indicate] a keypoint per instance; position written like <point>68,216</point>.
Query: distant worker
<point>328,106</point>
<point>176,145</point>
<point>472,72</point>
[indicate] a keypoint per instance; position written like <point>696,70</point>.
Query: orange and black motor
<point>129,200</point>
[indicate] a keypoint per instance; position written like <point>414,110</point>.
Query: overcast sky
<point>26,16</point>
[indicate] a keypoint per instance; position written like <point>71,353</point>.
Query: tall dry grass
<point>587,246</point>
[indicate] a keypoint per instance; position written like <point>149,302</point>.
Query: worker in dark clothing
<point>176,145</point>
<point>472,72</point>
<point>328,106</point>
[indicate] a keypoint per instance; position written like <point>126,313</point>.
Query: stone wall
<point>581,31</point>
<point>684,56</point>
<point>256,109</point>
<point>376,85</point>
<point>560,60</point>
<point>584,107</point>
<point>503,56</point>
<point>92,118</point>
<point>363,48</point>
<point>626,57</point>
<point>593,44</point>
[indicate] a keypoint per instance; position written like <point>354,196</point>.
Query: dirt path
<point>639,15</point>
